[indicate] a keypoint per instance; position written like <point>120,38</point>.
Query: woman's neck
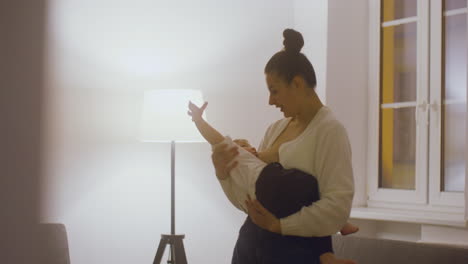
<point>308,111</point>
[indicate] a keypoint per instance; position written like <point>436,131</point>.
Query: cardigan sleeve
<point>327,216</point>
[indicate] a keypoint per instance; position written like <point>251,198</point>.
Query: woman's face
<point>282,95</point>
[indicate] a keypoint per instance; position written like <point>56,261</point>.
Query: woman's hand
<point>222,158</point>
<point>196,112</point>
<point>262,217</point>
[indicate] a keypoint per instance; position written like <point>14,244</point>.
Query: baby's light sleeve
<point>242,178</point>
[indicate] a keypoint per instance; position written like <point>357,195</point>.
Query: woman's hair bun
<point>293,41</point>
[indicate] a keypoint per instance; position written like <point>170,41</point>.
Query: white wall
<point>346,93</point>
<point>111,191</point>
<point>311,19</point>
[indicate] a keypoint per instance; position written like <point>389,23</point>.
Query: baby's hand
<point>196,112</point>
<point>244,143</point>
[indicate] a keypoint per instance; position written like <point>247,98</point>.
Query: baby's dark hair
<point>290,62</point>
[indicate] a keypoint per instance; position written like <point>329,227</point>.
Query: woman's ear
<point>298,82</point>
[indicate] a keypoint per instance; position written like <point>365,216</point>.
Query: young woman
<point>309,138</point>
<point>258,174</point>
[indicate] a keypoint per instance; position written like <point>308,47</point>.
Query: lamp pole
<point>168,106</point>
<point>176,246</point>
<point>172,187</point>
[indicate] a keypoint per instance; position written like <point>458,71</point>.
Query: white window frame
<point>438,197</point>
<point>427,195</point>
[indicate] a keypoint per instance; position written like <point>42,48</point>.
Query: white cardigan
<point>322,150</point>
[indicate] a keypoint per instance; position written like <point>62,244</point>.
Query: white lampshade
<point>164,116</point>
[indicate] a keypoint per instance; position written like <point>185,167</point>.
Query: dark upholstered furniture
<point>385,251</point>
<point>54,244</point>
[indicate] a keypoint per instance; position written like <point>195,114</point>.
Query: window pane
<point>455,46</point>
<point>399,63</point>
<point>453,149</point>
<point>454,109</point>
<point>397,148</point>
<point>454,4</point>
<point>396,9</point>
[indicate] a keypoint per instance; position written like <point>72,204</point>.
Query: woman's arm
<point>223,161</point>
<point>330,213</point>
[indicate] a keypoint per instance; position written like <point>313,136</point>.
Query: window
<point>417,103</point>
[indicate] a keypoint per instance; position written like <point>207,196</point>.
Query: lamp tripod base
<point>177,251</point>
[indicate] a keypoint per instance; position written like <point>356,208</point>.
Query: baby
<point>347,229</point>
<point>250,165</point>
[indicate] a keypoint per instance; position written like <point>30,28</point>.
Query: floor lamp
<point>164,118</point>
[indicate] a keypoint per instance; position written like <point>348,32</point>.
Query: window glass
<point>399,58</point>
<point>454,102</point>
<point>454,4</point>
<point>397,9</point>
<point>397,148</point>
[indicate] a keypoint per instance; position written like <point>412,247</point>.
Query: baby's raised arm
<point>206,130</point>
<point>214,137</point>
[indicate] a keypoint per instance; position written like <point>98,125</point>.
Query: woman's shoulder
<point>329,124</point>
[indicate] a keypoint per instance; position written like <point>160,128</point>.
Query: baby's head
<point>244,143</point>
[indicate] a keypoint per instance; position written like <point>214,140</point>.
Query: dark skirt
<point>283,192</point>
